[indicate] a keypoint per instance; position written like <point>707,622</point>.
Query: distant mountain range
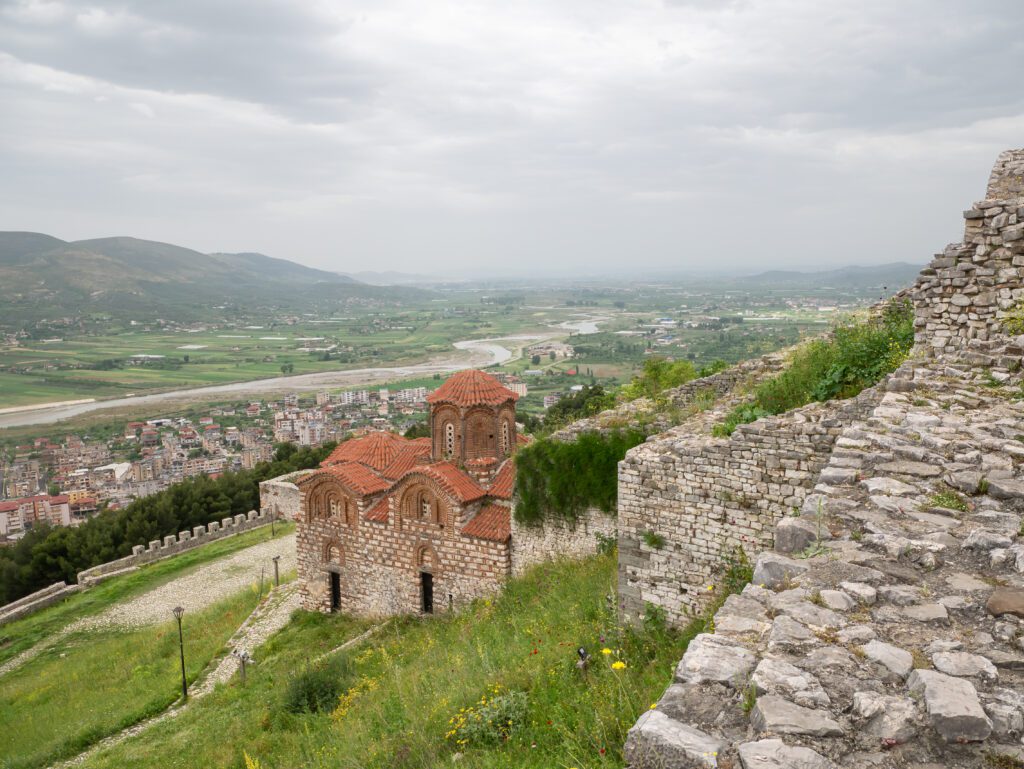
<point>892,276</point>
<point>43,276</point>
<point>392,278</point>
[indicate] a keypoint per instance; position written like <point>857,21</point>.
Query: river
<point>472,353</point>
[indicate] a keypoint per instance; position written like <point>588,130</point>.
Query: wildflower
<point>606,651</point>
<point>711,587</point>
<point>618,665</point>
<point>653,706</point>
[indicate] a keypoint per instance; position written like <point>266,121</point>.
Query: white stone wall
<point>557,538</point>
<point>281,498</point>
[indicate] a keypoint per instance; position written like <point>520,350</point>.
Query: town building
<point>390,525</point>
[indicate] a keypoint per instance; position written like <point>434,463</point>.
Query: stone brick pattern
<point>689,500</point>
<point>380,564</point>
<point>886,628</point>
<point>280,496</point>
<point>966,290</point>
<point>557,538</point>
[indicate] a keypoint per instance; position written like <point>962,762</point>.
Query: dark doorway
<point>335,591</point>
<point>427,589</point>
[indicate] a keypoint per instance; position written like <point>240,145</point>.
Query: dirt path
<point>198,589</point>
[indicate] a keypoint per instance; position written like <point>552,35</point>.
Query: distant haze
<point>525,138</point>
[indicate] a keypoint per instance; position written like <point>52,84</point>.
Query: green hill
<point>44,277</point>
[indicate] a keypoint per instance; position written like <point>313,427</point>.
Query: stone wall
<point>886,629</point>
<point>281,497</point>
<point>172,544</point>
<point>964,293</point>
<point>35,601</point>
<point>687,502</point>
<point>558,538</point>
<point>380,563</point>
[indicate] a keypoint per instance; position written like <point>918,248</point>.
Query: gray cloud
<point>590,135</point>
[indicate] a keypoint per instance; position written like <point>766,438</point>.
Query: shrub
<point>658,375</point>
<point>491,721</point>
<point>563,479</point>
<point>317,689</point>
<point>654,539</point>
<point>857,356</point>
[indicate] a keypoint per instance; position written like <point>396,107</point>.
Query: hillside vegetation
<point>42,276</point>
<point>93,681</point>
<point>412,694</point>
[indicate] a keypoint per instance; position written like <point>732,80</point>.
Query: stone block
<point>154,544</point>
<point>710,658</point>
<point>659,742</point>
<point>777,715</point>
<point>774,571</point>
<point>184,536</point>
<point>775,754</point>
<point>953,707</point>
<point>213,526</point>
<point>227,523</point>
<point>138,549</point>
<point>170,540</point>
<point>198,531</point>
<point>239,519</point>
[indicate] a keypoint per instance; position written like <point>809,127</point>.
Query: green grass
<point>22,634</point>
<point>416,675</point>
<point>93,683</point>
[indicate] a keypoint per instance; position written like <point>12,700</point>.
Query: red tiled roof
<point>13,504</point>
<point>406,460</point>
<point>360,479</point>
<point>523,440</point>
<point>494,522</point>
<point>378,450</point>
<point>504,481</point>
<point>379,512</point>
<point>453,480</point>
<point>472,388</point>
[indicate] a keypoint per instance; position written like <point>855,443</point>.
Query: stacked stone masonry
<point>886,627</point>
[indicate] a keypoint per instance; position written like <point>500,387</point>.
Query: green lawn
<point>411,679</point>
<point>93,683</point>
<point>22,634</point>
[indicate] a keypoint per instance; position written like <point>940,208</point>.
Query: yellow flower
<point>606,651</point>
<point>711,587</point>
<point>618,665</point>
<point>653,706</point>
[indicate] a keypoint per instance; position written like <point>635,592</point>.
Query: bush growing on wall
<point>658,375</point>
<point>562,479</point>
<point>857,356</point>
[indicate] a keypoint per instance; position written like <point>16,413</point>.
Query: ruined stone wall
<point>687,502</point>
<point>280,496</point>
<point>172,544</point>
<point>380,564</point>
<point>966,290</point>
<point>886,629</point>
<point>559,538</point>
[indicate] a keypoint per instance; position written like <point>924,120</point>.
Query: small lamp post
<point>178,611</point>
<point>277,576</point>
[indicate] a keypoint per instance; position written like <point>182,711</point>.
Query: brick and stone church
<point>391,525</point>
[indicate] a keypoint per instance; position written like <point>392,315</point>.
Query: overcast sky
<point>596,136</point>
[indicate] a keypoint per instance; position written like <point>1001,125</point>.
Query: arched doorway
<point>426,563</point>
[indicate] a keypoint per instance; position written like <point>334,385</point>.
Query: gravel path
<point>197,590</point>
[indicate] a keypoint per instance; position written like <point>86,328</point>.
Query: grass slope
<point>93,683</point>
<point>411,680</point>
<point>24,633</point>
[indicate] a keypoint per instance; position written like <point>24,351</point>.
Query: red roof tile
<point>472,388</point>
<point>360,479</point>
<point>377,450</point>
<point>453,480</point>
<point>494,522</point>
<point>405,461</point>
<point>379,512</point>
<point>523,440</point>
<point>504,481</point>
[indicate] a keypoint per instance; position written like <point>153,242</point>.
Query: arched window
<point>449,439</point>
<point>334,506</point>
<point>504,438</point>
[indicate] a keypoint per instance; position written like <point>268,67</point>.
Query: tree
<point>535,360</point>
<point>551,355</point>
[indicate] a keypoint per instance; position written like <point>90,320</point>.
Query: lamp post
<point>178,612</point>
